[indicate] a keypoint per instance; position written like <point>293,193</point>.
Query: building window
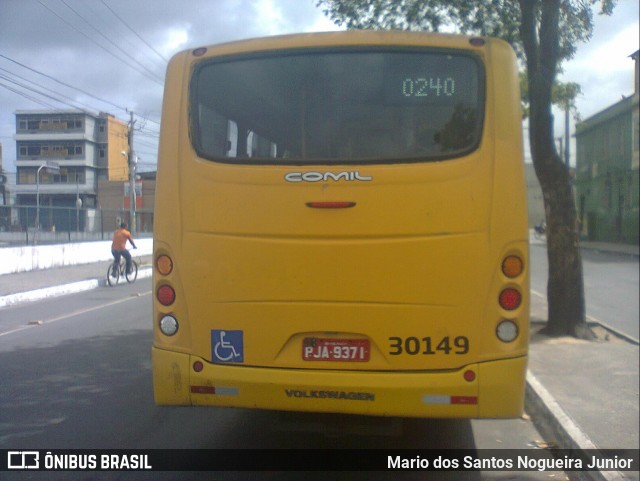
<point>52,150</point>
<point>26,175</point>
<point>33,149</point>
<point>66,175</point>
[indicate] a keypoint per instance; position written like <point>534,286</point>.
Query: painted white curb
<point>44,293</point>
<point>562,420</point>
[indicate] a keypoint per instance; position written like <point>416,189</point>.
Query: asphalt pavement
<point>580,394</point>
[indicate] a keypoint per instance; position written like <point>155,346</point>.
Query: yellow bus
<point>340,226</point>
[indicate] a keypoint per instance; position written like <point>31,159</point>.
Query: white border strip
<point>574,431</point>
<point>72,288</point>
<point>581,439</point>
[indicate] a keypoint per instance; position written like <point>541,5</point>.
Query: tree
<point>543,33</point>
<point>563,95</point>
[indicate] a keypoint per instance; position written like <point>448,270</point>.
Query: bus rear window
<point>338,107</point>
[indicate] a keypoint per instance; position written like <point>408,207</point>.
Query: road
<point>76,374</point>
<point>610,284</point>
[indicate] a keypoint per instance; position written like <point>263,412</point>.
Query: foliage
<point>494,18</point>
<point>543,33</point>
<point>563,95</point>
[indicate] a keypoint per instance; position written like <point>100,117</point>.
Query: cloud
<point>270,14</point>
<point>176,39</point>
<point>604,71</point>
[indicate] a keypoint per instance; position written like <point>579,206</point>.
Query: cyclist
<point>119,245</point>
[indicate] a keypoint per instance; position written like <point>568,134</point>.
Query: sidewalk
<point>579,394</point>
<point>41,284</point>
<point>626,249</point>
<point>582,394</point>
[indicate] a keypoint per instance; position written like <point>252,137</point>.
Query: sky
<point>111,55</point>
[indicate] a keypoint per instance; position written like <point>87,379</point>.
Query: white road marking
<point>41,322</point>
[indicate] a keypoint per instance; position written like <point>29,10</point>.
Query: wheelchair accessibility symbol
<point>227,346</point>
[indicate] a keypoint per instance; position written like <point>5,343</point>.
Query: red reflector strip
<point>222,391</point>
<point>464,400</point>
<point>444,399</point>
<point>330,205</point>
<point>203,389</point>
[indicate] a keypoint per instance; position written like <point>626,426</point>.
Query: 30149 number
<point>428,345</point>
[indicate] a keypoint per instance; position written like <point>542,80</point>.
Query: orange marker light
<point>512,266</point>
<point>164,265</point>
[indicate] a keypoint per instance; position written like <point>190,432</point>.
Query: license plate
<point>343,350</point>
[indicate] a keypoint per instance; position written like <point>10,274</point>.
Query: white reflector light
<point>168,325</point>
<point>507,331</point>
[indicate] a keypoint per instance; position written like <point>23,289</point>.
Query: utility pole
<point>567,151</point>
<point>132,177</point>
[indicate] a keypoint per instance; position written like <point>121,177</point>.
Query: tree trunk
<point>565,289</point>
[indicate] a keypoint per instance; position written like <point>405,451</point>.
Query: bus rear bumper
<point>496,392</point>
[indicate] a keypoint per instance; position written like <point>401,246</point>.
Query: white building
<point>86,147</point>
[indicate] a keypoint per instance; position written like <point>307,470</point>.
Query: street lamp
<point>52,166</point>
<point>78,206</point>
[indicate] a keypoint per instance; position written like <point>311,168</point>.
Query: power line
<point>153,78</point>
<point>42,87</point>
<point>149,134</point>
<point>144,121</point>
<point>113,28</point>
<point>33,99</point>
<point>26,96</point>
<point>26,87</point>
<point>95,29</point>
<point>147,144</point>
<point>63,83</point>
<point>134,32</point>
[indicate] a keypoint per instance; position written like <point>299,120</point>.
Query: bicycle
<point>540,230</point>
<point>118,270</point>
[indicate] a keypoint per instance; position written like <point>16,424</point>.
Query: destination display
<point>432,78</point>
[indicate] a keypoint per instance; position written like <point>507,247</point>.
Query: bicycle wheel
<point>133,275</point>
<point>113,275</point>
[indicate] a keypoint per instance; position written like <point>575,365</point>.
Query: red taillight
<point>165,295</point>
<point>510,299</point>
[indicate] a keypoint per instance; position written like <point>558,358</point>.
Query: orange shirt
<point>120,238</point>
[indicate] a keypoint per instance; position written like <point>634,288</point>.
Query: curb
<point>553,422</point>
<point>613,330</point>
<point>72,288</point>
